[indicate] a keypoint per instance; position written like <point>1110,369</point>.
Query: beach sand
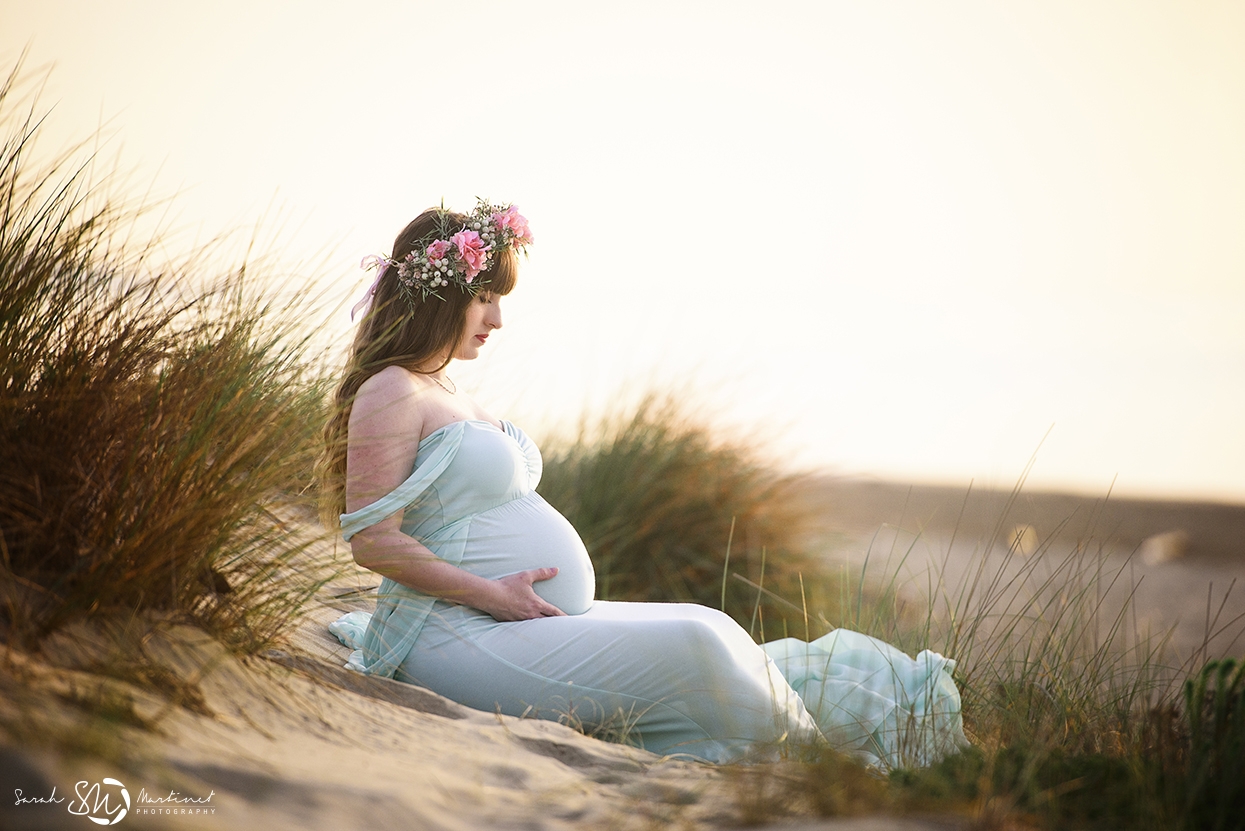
<point>275,748</point>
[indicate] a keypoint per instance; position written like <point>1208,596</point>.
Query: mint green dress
<point>675,678</point>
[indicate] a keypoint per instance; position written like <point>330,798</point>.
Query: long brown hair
<point>396,332</point>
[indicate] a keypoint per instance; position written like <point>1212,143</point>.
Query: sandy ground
<point>290,741</point>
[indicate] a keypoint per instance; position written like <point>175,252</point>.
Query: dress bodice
<point>471,500</point>
<point>462,469</point>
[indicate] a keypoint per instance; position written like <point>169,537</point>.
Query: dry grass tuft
<point>142,432</point>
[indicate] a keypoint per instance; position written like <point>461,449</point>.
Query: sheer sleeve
<point>409,492</point>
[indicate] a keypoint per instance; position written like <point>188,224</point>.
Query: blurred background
<point>898,241</point>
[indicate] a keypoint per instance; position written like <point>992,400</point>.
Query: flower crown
<point>453,257</point>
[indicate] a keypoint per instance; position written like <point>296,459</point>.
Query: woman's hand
<point>384,549</point>
<point>512,597</point>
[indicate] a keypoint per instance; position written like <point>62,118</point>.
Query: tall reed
<point>144,425</point>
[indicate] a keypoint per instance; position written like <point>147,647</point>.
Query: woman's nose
<point>494,317</point>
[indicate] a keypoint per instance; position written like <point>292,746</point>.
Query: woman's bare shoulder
<point>392,382</point>
<point>391,388</point>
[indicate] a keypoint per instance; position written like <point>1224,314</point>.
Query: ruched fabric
<point>674,678</point>
<point>872,700</point>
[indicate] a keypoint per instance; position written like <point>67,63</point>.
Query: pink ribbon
<point>369,262</point>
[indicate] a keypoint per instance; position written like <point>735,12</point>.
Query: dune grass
<point>145,428</point>
<point>1076,718</point>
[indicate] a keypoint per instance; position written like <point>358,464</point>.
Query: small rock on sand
<point>1165,547</point>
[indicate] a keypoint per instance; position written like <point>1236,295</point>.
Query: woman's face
<point>483,316</point>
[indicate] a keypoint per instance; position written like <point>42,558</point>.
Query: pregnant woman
<point>487,591</point>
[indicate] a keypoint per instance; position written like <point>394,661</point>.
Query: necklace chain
<point>443,386</point>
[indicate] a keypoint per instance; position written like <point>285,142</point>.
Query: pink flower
<point>438,249</point>
<point>472,252</point>
<point>511,219</point>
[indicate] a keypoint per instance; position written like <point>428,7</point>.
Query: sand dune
<point>290,741</point>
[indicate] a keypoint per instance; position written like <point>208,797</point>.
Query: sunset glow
<point>895,239</point>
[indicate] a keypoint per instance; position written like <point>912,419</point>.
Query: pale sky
<point>889,239</point>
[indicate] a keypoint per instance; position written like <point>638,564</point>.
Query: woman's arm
<point>386,422</point>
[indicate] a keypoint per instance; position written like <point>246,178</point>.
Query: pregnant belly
<point>528,533</point>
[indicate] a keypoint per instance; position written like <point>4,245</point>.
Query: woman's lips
<point>481,338</point>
